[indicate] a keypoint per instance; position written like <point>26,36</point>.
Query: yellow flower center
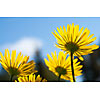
<point>61,71</point>
<point>13,71</point>
<point>72,47</point>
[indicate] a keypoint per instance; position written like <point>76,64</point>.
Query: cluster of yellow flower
<point>75,43</point>
<point>72,42</point>
<point>19,67</point>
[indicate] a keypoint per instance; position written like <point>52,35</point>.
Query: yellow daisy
<point>61,66</point>
<point>17,66</point>
<point>31,78</point>
<point>75,40</point>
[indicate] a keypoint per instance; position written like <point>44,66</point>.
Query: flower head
<point>62,65</point>
<point>17,66</point>
<point>75,40</point>
<point>31,78</point>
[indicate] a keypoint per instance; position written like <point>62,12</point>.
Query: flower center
<point>61,71</point>
<point>72,47</point>
<point>13,71</point>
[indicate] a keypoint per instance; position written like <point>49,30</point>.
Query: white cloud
<point>26,45</point>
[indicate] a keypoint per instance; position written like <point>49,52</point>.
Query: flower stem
<point>59,77</point>
<point>11,77</point>
<point>72,67</point>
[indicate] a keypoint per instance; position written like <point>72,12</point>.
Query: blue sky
<point>14,29</point>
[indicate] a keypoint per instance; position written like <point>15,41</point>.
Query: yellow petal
<point>13,57</point>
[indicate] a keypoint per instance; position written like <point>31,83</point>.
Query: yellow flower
<point>17,66</point>
<point>62,65</point>
<point>75,41</point>
<point>31,78</point>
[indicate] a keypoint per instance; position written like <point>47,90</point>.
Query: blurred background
<point>33,37</point>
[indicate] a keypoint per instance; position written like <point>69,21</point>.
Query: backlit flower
<point>75,40</point>
<point>31,78</point>
<point>17,66</point>
<point>62,65</point>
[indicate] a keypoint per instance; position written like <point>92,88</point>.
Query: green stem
<point>72,67</point>
<point>59,77</point>
<point>11,77</point>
